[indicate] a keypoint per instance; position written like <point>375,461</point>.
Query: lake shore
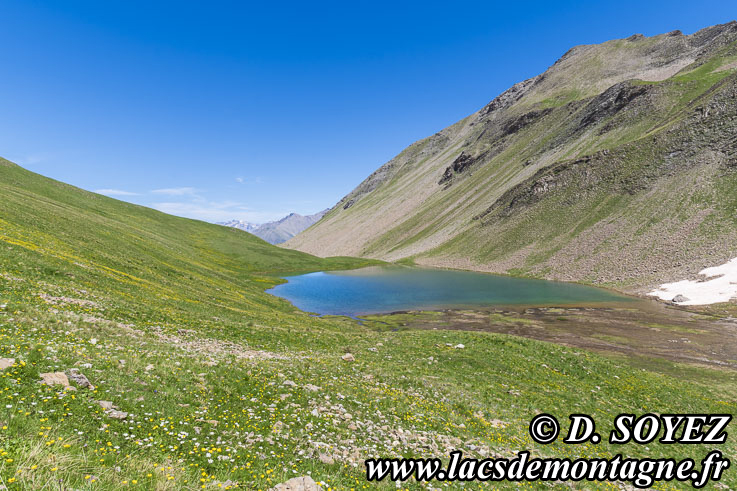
<point>649,330</point>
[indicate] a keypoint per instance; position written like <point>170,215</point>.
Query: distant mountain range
<point>240,224</point>
<point>280,230</point>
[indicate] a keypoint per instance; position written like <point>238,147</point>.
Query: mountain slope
<point>55,208</point>
<point>615,166</point>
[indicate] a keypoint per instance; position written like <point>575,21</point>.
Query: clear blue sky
<point>250,110</point>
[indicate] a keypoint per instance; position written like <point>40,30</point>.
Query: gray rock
<point>302,483</point>
<point>348,357</point>
<point>115,414</point>
<point>326,459</point>
<point>6,363</point>
<point>680,299</point>
<point>79,379</point>
<point>54,378</point>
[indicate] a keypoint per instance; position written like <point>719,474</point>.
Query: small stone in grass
<point>79,379</point>
<point>302,483</point>
<point>348,357</point>
<point>115,414</point>
<point>54,378</point>
<point>326,459</point>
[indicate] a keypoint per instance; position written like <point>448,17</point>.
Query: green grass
<point>168,319</point>
<point>562,98</point>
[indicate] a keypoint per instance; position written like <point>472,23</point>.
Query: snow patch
<point>719,286</point>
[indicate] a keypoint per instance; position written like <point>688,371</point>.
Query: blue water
<point>379,289</point>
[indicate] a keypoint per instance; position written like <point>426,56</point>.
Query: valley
<point>141,350</point>
<point>197,377</point>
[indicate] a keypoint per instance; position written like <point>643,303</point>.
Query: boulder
<point>680,299</point>
<point>6,363</point>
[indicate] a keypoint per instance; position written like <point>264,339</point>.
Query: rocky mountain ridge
<point>280,230</point>
<point>614,166</point>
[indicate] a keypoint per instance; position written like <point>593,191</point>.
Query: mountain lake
<point>384,289</point>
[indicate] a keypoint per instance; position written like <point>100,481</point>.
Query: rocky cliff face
<point>616,166</point>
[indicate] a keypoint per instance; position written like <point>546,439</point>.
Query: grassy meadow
<point>225,386</point>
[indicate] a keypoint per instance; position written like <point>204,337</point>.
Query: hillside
<point>615,166</point>
<point>168,367</point>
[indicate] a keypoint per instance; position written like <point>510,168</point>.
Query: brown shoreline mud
<point>645,329</point>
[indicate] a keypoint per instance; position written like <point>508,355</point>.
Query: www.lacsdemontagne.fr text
<point>641,473</point>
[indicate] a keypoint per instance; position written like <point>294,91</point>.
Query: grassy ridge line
<point>226,385</point>
<point>62,208</point>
